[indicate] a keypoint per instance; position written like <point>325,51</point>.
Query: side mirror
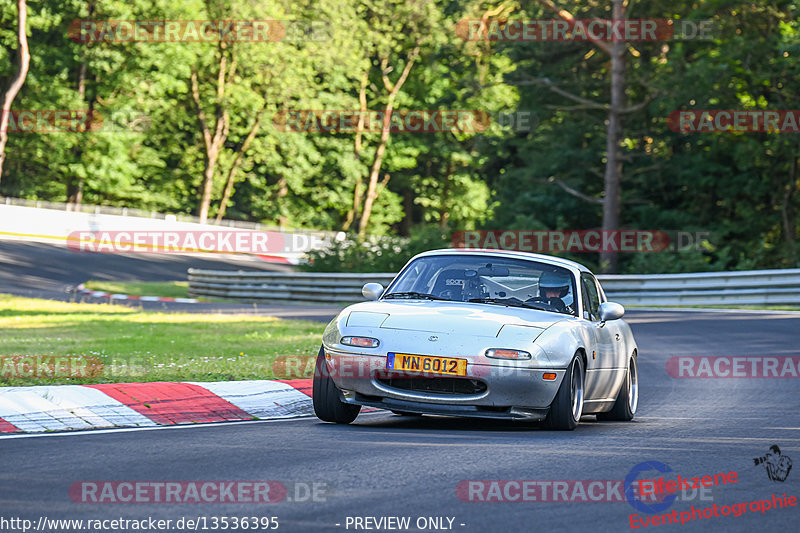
<point>373,291</point>
<point>610,311</point>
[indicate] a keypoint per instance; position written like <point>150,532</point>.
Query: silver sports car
<point>481,333</point>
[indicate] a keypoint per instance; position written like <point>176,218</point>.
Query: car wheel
<point>628,397</point>
<point>406,413</point>
<point>567,407</point>
<point>328,405</point>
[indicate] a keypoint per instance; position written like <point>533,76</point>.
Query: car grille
<point>436,385</point>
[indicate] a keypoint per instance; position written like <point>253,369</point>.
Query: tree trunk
<point>788,216</point>
<point>213,143</point>
<point>75,183</point>
<point>226,195</point>
<point>283,191</point>
<point>207,186</point>
<point>408,211</point>
<point>444,212</point>
<point>352,214</point>
<point>613,171</point>
<point>376,170</point>
<point>372,187</point>
<point>75,189</point>
<point>19,79</point>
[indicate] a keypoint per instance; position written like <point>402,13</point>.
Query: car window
<point>504,280</point>
<point>600,292</point>
<point>591,297</point>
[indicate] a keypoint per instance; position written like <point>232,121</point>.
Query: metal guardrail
<point>754,287</point>
<point>281,286</point>
<point>143,213</point>
<point>750,287</point>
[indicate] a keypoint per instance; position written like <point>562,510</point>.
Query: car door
<point>616,335</point>
<point>602,360</point>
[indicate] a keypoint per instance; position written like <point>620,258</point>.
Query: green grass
<point>169,289</point>
<point>133,345</point>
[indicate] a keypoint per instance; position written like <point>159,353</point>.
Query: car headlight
<point>502,353</point>
<point>363,342</point>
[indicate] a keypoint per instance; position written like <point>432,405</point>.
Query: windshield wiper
<point>511,302</point>
<point>413,294</point>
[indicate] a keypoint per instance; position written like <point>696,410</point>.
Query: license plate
<point>426,363</point>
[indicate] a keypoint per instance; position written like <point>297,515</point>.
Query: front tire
<point>326,396</point>
<point>567,407</point>
<point>628,398</point>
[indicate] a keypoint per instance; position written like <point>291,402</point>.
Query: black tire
<point>567,407</point>
<point>406,413</point>
<point>628,397</point>
<point>328,405</point>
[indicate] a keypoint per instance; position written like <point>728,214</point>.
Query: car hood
<point>484,320</point>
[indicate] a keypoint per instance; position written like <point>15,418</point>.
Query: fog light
<point>499,353</point>
<point>548,376</point>
<point>363,342</point>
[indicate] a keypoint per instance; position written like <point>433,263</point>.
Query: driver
<point>553,286</point>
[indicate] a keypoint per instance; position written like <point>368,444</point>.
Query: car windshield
<point>487,280</point>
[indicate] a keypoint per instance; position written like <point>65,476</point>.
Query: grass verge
<point>168,289</point>
<point>126,344</point>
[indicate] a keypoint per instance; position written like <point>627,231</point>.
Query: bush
<point>377,254</point>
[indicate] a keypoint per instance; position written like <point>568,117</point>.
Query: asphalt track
<point>386,465</point>
<point>45,270</point>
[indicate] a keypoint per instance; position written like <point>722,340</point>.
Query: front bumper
<point>501,391</point>
<point>477,411</point>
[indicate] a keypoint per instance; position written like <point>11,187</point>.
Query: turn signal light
<point>363,342</point>
<point>548,376</point>
<point>499,353</point>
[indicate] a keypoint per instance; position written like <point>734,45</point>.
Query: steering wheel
<point>448,294</point>
<point>545,303</point>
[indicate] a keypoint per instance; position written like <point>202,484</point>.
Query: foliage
<point>744,188</point>
<point>386,254</point>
